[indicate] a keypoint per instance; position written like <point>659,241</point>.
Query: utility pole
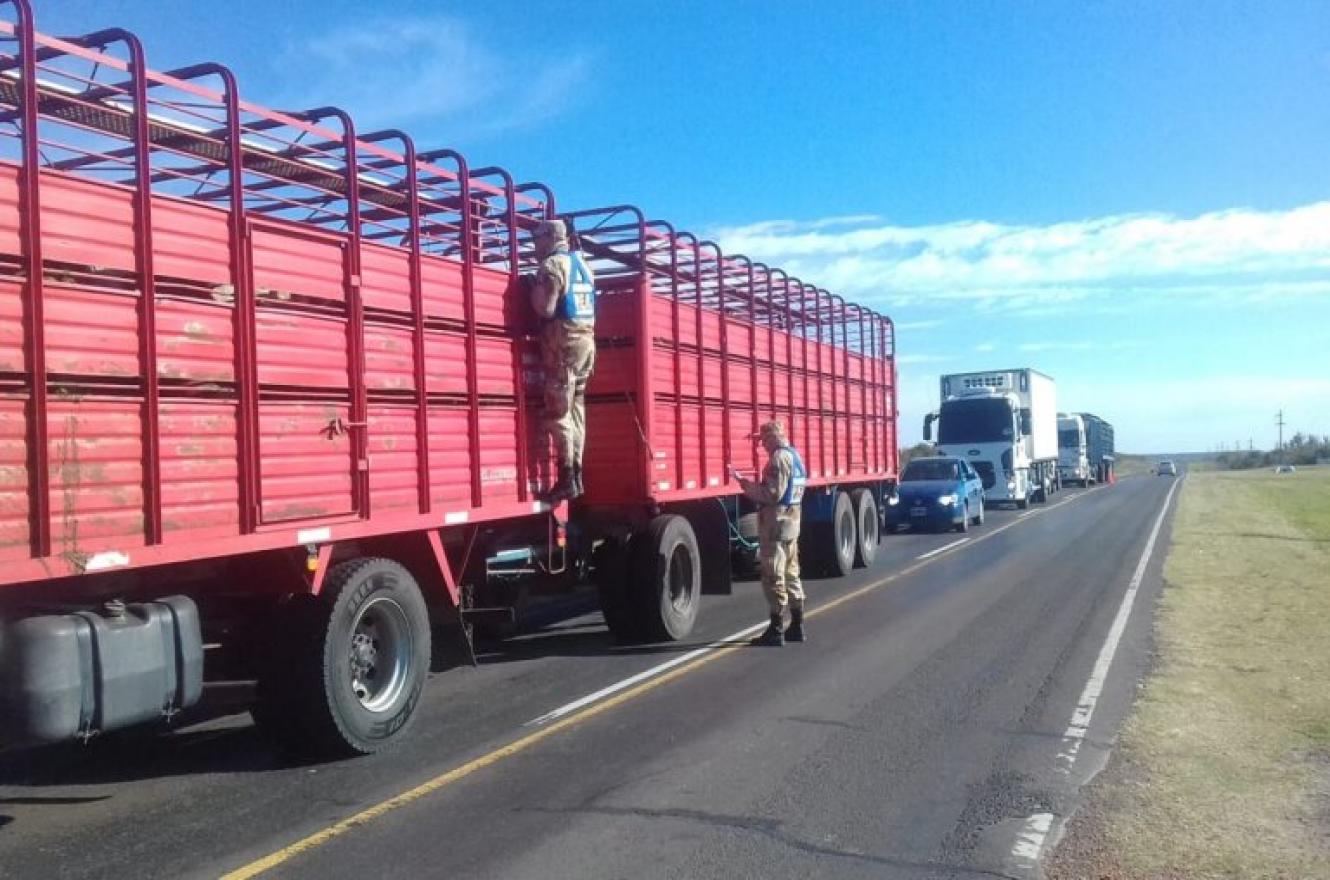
<point>1279,420</point>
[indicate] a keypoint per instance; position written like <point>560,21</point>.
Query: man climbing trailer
<point>270,388</point>
<point>563,294</point>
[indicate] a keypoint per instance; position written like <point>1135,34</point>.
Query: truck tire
<point>844,536</point>
<point>346,669</point>
<point>610,571</point>
<point>666,577</point>
<point>867,531</point>
<point>1023,503</point>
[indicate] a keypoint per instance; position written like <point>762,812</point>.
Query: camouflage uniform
<point>779,496</point>
<point>778,534</point>
<point>568,354</point>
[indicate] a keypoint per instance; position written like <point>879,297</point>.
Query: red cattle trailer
<point>268,386</point>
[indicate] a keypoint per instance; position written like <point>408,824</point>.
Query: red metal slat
<point>31,234</point>
<point>417,305</point>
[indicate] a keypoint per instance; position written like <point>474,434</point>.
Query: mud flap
<point>452,639</point>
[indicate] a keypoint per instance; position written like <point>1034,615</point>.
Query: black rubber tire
<point>844,537</point>
<point>306,698</point>
<point>610,572</point>
<point>1023,503</point>
<point>867,530</point>
<point>979,517</point>
<point>964,524</point>
<point>666,577</point>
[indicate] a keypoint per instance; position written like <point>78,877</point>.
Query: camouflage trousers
<point>569,360</point>
<point>780,574</point>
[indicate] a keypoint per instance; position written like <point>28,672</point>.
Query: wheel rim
<point>847,535</point>
<point>680,576</point>
<point>380,655</point>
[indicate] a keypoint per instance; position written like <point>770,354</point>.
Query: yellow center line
<point>337,829</point>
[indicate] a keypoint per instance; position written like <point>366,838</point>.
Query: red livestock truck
<point>269,404</point>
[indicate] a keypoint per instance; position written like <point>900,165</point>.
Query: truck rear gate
<point>282,368</point>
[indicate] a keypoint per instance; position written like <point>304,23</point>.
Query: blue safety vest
<point>578,301</point>
<point>794,491</point>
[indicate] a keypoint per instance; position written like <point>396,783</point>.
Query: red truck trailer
<point>269,404</point>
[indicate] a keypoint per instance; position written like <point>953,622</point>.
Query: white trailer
<point>1005,423</point>
<point>1073,453</point>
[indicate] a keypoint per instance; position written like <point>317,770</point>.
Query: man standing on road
<point>563,294</point>
<point>778,496</point>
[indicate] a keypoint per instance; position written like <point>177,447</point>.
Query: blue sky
<point>1131,197</point>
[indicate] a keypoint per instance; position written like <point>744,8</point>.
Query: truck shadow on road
<point>218,737</point>
<point>590,640</point>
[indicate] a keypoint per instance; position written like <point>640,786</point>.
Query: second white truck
<point>1005,423</point>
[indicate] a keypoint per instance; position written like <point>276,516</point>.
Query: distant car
<point>1286,469</point>
<point>1166,469</point>
<point>937,492</point>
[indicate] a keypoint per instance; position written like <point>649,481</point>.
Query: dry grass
<point>1224,766</point>
<point>1128,464</point>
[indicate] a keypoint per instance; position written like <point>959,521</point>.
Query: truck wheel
<point>1023,503</point>
<point>843,536</point>
<point>346,670</point>
<point>610,571</point>
<point>867,531</point>
<point>666,578</point>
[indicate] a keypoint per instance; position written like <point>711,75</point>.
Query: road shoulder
<point>1223,766</point>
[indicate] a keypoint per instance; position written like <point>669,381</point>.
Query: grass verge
<point>1223,767</point>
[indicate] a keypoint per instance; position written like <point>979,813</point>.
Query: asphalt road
<point>922,732</point>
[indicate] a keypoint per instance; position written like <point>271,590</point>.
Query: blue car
<point>937,492</point>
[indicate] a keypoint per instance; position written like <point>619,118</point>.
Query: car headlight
<point>893,500</point>
<point>1011,485</point>
<point>947,500</point>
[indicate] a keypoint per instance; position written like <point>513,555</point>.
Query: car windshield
<point>1069,438</point>
<point>935,469</point>
<point>975,421</point>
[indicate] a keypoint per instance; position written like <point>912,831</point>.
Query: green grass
<point>1225,760</point>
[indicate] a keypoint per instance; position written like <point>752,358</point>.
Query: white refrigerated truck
<point>1005,423</point>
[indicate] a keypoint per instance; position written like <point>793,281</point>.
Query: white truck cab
<point>1004,422</point>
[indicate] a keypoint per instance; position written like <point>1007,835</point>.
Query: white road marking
<point>644,675</point>
<point>1030,841</point>
<point>654,671</point>
<point>942,549</point>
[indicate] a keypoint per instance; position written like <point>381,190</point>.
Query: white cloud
<point>1180,415</point>
<point>392,72</point>
<point>1076,345</point>
<point>985,347</point>
<point>1233,257</point>
<point>919,325</point>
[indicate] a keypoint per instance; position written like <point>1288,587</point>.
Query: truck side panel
<point>1042,401</point>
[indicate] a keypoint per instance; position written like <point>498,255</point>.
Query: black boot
<point>563,488</point>
<point>796,631</point>
<point>578,490</point>
<point>771,637</point>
